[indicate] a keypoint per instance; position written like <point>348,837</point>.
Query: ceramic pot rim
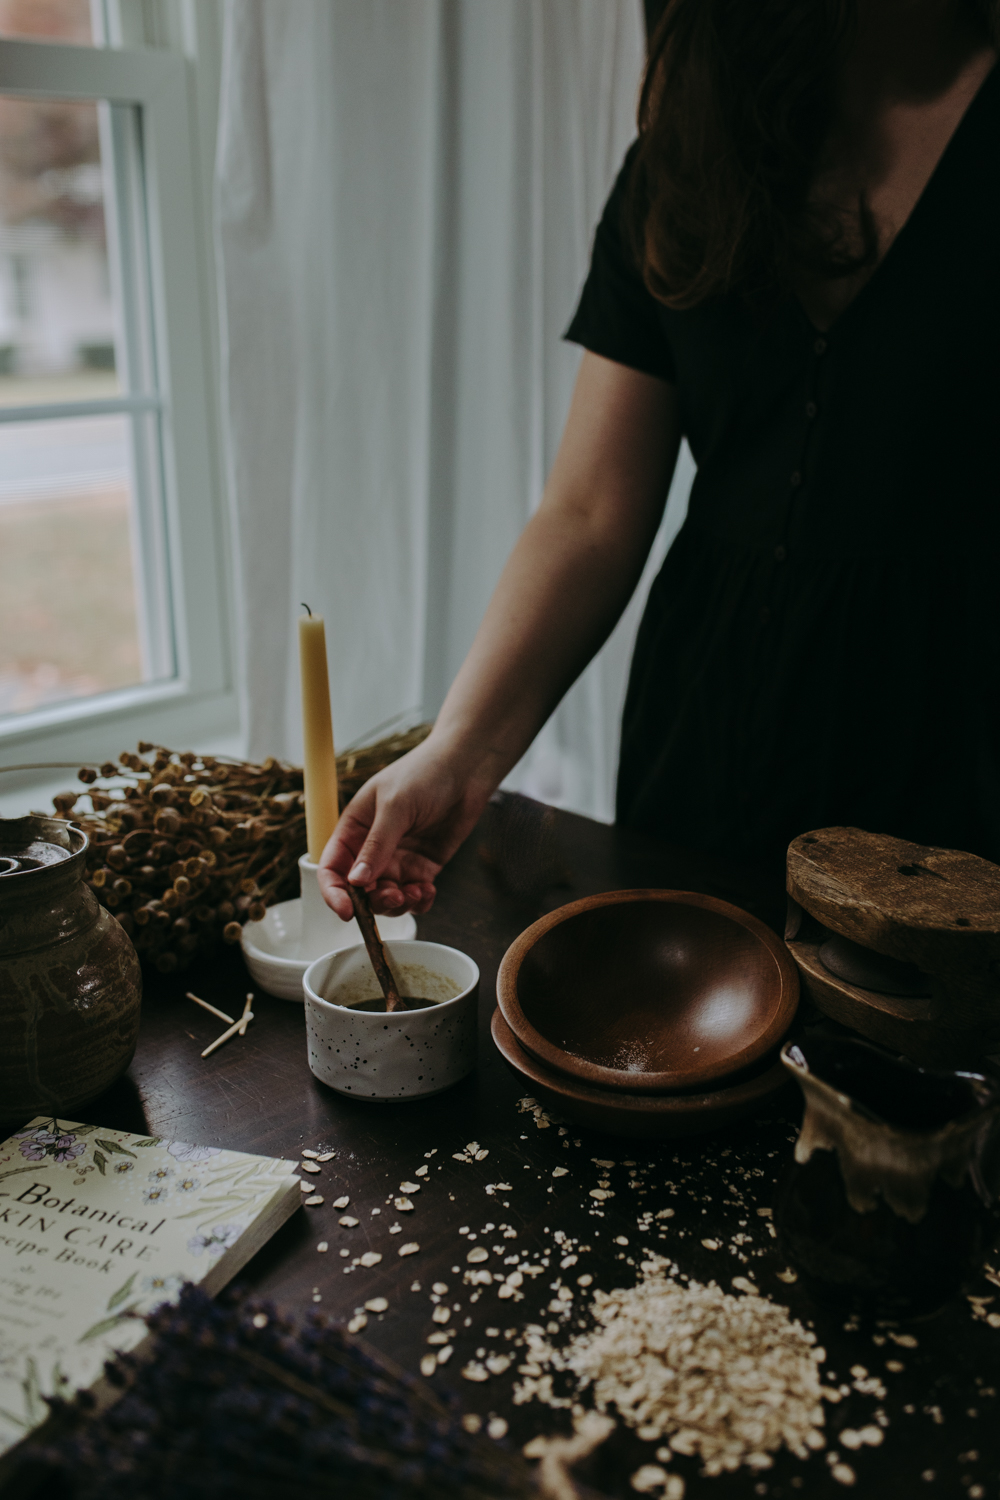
<point>382,1017</point>
<point>18,886</point>
<point>592,1074</point>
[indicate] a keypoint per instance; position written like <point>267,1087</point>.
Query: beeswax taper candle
<point>320,766</point>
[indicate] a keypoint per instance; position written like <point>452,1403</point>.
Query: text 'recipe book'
<point>98,1227</point>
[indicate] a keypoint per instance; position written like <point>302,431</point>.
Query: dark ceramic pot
<point>890,1203</point>
<point>70,983</point>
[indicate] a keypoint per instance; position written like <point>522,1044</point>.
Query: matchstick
<point>205,1006</point>
<point>247,1016</point>
<point>227,1034</point>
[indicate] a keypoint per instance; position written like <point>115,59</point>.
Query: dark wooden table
<point>937,1412</point>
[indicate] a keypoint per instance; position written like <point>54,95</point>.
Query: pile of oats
<point>727,1378</point>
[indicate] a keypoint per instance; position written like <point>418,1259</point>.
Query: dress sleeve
<point>616,316</point>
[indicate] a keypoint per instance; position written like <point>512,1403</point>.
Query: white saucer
<point>277,956</point>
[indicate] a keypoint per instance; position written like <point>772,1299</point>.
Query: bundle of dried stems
<point>185,848</point>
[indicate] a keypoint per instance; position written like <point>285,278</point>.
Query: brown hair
<point>734,110</point>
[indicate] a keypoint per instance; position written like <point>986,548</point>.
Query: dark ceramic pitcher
<point>890,1202</point>
<point>70,983</point>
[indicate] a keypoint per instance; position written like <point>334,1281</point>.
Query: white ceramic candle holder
<point>280,947</point>
<point>383,1057</point>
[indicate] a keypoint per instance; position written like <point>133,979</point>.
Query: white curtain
<point>406,194</point>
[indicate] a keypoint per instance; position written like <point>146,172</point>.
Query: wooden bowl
<point>648,991</point>
<point>642,1116</point>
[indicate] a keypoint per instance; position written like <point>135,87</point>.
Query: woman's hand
<point>399,829</point>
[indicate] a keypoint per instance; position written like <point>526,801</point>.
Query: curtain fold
<point>406,194</point>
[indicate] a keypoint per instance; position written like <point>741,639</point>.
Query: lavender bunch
<point>237,1401</point>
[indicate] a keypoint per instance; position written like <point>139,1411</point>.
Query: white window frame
<point>198,704</point>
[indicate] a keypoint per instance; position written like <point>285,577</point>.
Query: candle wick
<point>307,610</point>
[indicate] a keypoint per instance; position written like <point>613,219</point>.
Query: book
<point>98,1227</point>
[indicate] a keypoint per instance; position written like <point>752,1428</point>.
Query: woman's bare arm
<point>564,587</point>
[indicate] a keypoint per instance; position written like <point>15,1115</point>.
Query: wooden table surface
<point>937,1412</point>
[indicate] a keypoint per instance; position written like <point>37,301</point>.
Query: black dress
<point>822,644</point>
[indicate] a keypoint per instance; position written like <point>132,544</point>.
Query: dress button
<point>795,480</point>
<point>780,554</point>
<point>811,409</point>
<point>820,346</point>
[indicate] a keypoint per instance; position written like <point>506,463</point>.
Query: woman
<point>797,270</point>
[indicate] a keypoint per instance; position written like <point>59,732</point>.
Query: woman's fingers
<point>334,891</point>
<point>392,820</point>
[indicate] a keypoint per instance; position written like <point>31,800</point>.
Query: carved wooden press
<point>899,941</point>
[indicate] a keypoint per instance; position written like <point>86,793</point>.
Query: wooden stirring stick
<point>366,921</point>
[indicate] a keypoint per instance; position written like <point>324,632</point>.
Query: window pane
<point>57,315</point>
<point>69,625</point>
<point>47,20</point>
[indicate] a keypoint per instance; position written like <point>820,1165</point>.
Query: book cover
<point>98,1227</point>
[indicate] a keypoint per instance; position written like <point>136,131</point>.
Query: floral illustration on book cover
<point>98,1227</point>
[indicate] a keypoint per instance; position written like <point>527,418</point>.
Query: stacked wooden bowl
<point>647,1013</point>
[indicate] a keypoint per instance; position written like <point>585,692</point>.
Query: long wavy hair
<point>735,108</point>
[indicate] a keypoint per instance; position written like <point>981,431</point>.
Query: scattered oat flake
<point>621,1239</point>
<point>600,1194</point>
<point>314,1201</point>
<point>443,1355</point>
<point>409,1187</point>
<point>309,1166</point>
<point>357,1323</point>
<point>410,1249</point>
<point>843,1474</point>
<point>371,1258</point>
<point>497,1363</point>
<point>422,1171</point>
<point>441,1315</point>
<point>482,1155</point>
<point>904,1340</point>
<point>766,1213</point>
<point>322,1247</point>
<point>599,1163</point>
<point>341,1202</point>
<point>311,1155</point>
<point>651,1479</point>
<point>556,1172</point>
<point>440,1287</point>
<point>326,1156</point>
<point>743,1284</point>
<point>348,1221</point>
<point>376,1304</point>
<point>260,1320</point>
<point>475,1371</point>
<point>496,1428</point>
<point>727,1379</point>
<point>787,1275</point>
<point>478,1255</point>
<point>428,1364</point>
<point>504,1187</point>
<point>711,1244</point>
<point>403,1205</point>
<point>305,1187</point>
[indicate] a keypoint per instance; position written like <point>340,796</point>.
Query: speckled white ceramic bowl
<point>406,1055</point>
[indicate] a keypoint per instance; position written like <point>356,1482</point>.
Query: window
<point>113,619</point>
